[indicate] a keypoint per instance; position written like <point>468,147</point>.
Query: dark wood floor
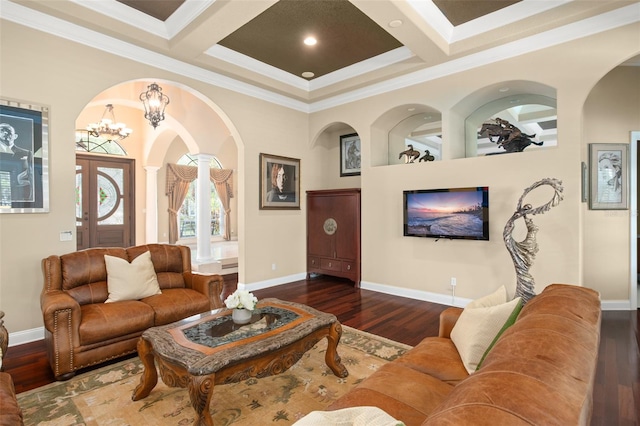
<point>616,392</point>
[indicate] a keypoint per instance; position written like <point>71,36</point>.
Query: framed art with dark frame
<point>24,157</point>
<point>350,155</point>
<point>279,182</point>
<point>608,176</point>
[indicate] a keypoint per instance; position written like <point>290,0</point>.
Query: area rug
<point>103,396</point>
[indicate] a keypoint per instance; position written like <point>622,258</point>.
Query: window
<point>187,216</point>
<point>87,143</point>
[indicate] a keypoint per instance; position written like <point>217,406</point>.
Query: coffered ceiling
<point>257,45</point>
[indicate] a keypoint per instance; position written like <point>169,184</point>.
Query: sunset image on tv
<point>447,213</point>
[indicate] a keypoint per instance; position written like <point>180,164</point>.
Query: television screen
<point>447,213</point>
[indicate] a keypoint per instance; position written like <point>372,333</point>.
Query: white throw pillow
<point>131,281</point>
<point>476,329</point>
<point>498,297</point>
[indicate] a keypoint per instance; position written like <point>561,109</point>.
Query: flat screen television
<point>461,213</point>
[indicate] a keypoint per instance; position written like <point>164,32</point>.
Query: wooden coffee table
<point>209,349</point>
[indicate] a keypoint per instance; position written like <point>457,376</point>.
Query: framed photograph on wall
<point>608,180</point>
<point>350,155</point>
<point>279,182</point>
<point>24,157</point>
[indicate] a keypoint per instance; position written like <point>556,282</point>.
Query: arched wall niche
<point>529,105</point>
<point>391,133</point>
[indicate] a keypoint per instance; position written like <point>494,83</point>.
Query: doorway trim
<point>633,219</point>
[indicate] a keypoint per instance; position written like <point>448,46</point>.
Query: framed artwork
<point>279,183</point>
<point>608,176</point>
<point>24,157</point>
<point>350,155</point>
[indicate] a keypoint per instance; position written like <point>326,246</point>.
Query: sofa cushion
<point>437,357</point>
<point>476,329</point>
<point>104,321</point>
<point>400,391</point>
<point>131,281</point>
<point>175,304</point>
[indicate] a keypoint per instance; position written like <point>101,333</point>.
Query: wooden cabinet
<point>333,233</point>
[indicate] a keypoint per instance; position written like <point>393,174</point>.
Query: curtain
<point>221,178</point>
<point>178,180</point>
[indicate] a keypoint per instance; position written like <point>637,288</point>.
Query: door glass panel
<point>110,203</point>
<point>78,195</point>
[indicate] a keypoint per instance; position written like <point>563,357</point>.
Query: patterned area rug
<point>103,396</point>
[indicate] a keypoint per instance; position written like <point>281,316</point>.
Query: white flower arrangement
<point>241,299</point>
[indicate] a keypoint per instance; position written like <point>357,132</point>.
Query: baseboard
<point>26,336</point>
<point>273,282</point>
<point>616,305</point>
<point>441,299</point>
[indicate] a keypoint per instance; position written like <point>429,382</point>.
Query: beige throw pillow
<point>476,329</point>
<point>498,297</point>
<point>131,281</point>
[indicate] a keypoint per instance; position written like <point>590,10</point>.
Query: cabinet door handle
<point>329,264</point>
<point>348,267</point>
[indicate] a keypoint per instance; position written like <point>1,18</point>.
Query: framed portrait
<point>608,176</point>
<point>350,155</point>
<point>24,157</point>
<point>279,182</point>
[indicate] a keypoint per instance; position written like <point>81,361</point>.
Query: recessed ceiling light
<point>411,109</point>
<point>395,23</point>
<point>310,41</point>
<point>504,89</point>
<point>307,74</point>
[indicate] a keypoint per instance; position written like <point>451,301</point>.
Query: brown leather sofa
<point>540,372</point>
<point>10,412</point>
<point>81,330</point>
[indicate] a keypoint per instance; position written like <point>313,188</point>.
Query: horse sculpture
<point>410,154</point>
<point>427,156</point>
<point>505,139</point>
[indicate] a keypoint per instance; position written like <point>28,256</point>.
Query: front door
<point>104,201</point>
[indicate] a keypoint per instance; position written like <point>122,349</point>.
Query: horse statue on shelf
<point>510,138</point>
<point>410,154</point>
<point>426,157</point>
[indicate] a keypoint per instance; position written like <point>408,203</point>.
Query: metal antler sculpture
<point>523,252</point>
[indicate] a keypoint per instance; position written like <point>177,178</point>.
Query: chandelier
<point>108,127</point>
<point>154,104</point>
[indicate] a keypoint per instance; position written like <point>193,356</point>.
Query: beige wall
<point>610,113</point>
<point>570,238</point>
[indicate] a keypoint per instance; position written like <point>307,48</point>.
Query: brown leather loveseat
<point>82,330</point>
<point>541,371</point>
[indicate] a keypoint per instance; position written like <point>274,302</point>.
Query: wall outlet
<point>273,267</point>
<point>454,282</point>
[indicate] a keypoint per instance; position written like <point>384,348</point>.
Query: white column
<point>203,204</point>
<point>151,215</point>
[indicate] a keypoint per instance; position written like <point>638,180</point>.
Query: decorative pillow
<point>476,329</point>
<point>498,297</point>
<point>131,281</point>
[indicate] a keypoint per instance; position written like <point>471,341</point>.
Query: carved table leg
<point>331,357</point>
<point>149,377</point>
<point>200,391</point>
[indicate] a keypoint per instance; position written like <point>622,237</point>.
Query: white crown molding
<point>39,21</point>
<point>377,62</point>
<point>231,56</point>
<point>182,17</point>
<point>607,21</point>
<point>431,14</point>
<point>51,25</point>
<point>383,60</point>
